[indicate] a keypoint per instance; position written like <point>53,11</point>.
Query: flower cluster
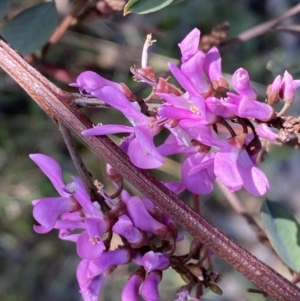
<point>135,219</point>
<point>202,121</point>
<point>217,131</point>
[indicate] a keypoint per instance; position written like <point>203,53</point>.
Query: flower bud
<point>288,87</point>
<point>155,261</point>
<point>272,94</point>
<point>241,83</point>
<point>149,289</point>
<point>264,131</point>
<point>131,289</point>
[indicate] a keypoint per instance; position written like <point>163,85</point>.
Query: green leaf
<point>32,28</point>
<point>283,232</point>
<point>145,6</point>
<point>4,4</point>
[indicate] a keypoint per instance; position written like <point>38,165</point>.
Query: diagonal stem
<point>260,28</point>
<point>59,106</point>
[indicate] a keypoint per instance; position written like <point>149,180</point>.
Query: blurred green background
<point>41,267</point>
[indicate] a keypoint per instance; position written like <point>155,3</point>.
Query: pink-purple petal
<point>107,130</point>
<point>47,211</point>
<point>255,181</point>
<point>190,45</point>
<point>117,99</point>
<point>149,289</point>
<point>142,158</point>
<point>155,261</point>
<point>130,291</point>
<point>226,168</point>
<point>212,65</point>
<point>199,181</point>
<point>182,79</point>
<point>52,170</point>
<point>192,69</point>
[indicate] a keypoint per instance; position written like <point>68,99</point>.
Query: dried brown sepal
<point>196,271</point>
<point>206,263</point>
<point>195,248</point>
<point>129,94</point>
<point>113,175</point>
<point>272,97</point>
<point>290,122</point>
<point>143,74</point>
<point>173,123</point>
<point>116,211</point>
<point>215,288</point>
<point>217,35</point>
<point>163,86</point>
<point>283,136</point>
<point>221,86</point>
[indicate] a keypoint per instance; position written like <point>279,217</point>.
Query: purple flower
<point>90,244</point>
<point>184,295</point>
<point>198,172</point>
<point>141,148</point>
<point>189,46</point>
<point>190,111</point>
<point>149,289</point>
<point>141,218</point>
<point>89,81</point>
<point>273,91</point>
<point>212,69</point>
<point>130,291</point>
<point>108,260</point>
<point>235,168</point>
<point>288,87</point>
<point>190,74</point>
<point>241,83</point>
<point>215,106</point>
<point>264,131</point>
<point>243,106</point>
<point>46,211</point>
<point>125,228</point>
<point>89,287</point>
<point>197,169</point>
<point>155,261</point>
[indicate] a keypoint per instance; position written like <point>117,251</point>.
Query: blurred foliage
<point>41,267</point>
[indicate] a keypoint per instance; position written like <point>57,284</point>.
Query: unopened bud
<point>163,86</point>
<point>221,86</point>
<point>272,94</point>
<point>145,75</point>
<point>215,288</point>
<point>196,271</point>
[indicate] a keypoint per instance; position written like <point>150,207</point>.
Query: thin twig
<point>64,25</point>
<point>196,205</point>
<point>84,174</point>
<point>59,106</point>
<point>261,28</point>
<point>240,209</point>
<point>96,103</point>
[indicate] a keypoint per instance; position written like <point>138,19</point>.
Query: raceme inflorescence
<point>218,131</point>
